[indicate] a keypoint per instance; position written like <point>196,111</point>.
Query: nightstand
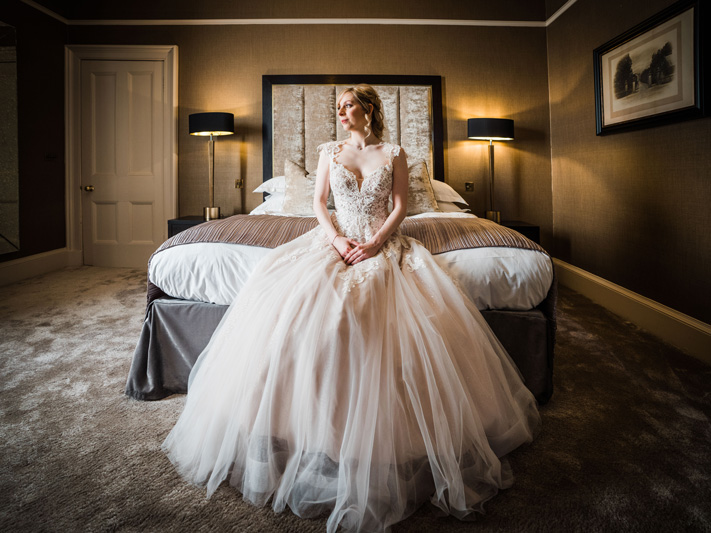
<point>177,225</point>
<point>525,229</point>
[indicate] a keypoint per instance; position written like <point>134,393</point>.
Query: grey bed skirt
<point>176,331</point>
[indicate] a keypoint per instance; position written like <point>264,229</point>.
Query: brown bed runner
<point>437,234</point>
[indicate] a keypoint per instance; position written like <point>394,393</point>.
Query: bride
<point>351,376</point>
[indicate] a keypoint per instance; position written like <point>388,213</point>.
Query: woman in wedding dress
<point>351,376</point>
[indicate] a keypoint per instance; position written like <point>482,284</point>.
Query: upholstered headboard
<point>299,113</point>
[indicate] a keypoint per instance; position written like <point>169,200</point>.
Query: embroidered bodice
<point>360,212</point>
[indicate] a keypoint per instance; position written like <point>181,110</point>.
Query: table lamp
<point>212,124</point>
<point>491,129</point>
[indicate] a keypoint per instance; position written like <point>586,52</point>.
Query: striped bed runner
<point>437,234</point>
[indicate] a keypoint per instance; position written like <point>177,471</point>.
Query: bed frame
<point>176,331</point>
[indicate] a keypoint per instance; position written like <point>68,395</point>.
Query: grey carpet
<point>625,445</point>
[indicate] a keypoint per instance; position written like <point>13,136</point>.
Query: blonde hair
<point>365,95</point>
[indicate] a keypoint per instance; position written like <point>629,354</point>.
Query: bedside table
<point>525,229</point>
<point>176,225</point>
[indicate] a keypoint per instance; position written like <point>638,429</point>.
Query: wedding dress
<point>360,391</point>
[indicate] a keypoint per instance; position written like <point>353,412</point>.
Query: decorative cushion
<point>445,193</point>
<point>299,191</point>
<point>420,194</point>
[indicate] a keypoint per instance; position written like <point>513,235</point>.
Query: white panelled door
<point>122,180</point>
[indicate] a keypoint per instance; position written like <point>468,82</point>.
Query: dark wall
<point>40,84</point>
<point>632,207</point>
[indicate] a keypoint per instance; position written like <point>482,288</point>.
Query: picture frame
<point>653,73</point>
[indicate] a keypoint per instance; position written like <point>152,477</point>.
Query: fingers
<point>356,256</point>
<point>355,249</point>
<point>356,253</point>
<point>347,254</point>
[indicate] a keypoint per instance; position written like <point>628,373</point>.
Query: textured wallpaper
<point>9,169</point>
<point>40,140</point>
<point>631,207</point>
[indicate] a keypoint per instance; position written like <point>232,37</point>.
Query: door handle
<point>89,188</point>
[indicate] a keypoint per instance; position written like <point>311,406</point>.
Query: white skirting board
<point>686,333</point>
<point>35,265</point>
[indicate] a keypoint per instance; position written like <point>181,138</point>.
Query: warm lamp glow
<point>215,133</point>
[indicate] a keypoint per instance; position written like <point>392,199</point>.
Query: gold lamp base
<point>211,213</point>
<point>494,215</point>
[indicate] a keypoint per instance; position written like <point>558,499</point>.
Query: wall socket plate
<point>469,186</point>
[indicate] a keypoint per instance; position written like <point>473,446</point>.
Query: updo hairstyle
<point>365,95</point>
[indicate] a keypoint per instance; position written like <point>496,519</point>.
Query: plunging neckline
<point>355,176</point>
<point>365,176</point>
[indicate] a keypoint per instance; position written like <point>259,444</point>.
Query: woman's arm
<point>397,215</point>
<point>339,242</point>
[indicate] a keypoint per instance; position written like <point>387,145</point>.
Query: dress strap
<point>392,151</point>
<point>331,148</point>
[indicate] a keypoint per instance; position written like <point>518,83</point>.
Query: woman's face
<point>351,114</point>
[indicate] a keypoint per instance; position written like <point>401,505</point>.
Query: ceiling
<point>504,10</point>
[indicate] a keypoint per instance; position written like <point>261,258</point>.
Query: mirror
<point>9,166</point>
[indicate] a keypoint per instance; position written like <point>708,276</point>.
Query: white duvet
<point>494,278</point>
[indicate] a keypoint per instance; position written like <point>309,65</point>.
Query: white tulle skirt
<point>358,391</point>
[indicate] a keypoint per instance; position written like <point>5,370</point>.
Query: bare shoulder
<point>398,155</point>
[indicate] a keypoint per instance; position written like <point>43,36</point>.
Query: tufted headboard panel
<point>299,113</point>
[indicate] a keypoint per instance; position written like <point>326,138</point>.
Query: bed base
<point>167,348</point>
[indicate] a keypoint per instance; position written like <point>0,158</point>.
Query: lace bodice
<point>360,212</point>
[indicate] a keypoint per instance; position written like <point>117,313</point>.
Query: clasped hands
<point>354,252</point>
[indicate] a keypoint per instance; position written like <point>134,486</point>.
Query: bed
<point>195,275</point>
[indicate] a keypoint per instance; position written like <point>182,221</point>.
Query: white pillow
<point>275,187</point>
<point>445,193</point>
<point>274,205</point>
<point>271,206</point>
<point>276,184</point>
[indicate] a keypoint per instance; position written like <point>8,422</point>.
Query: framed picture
<point>651,74</point>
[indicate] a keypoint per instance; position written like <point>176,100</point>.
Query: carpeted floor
<point>625,445</point>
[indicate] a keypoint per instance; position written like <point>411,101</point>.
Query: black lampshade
<point>490,129</point>
<point>211,124</point>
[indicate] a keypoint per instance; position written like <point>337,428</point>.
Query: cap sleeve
<point>393,151</point>
<point>329,148</point>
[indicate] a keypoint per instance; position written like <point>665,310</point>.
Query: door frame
<point>74,55</point>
